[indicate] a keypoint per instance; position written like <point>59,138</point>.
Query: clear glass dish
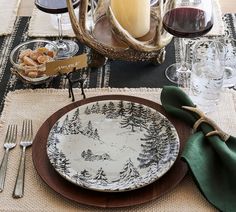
<point>29,58</point>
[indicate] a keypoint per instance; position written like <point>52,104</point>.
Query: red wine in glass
<point>188,19</point>
<point>67,48</point>
<point>54,6</point>
<point>187,22</point>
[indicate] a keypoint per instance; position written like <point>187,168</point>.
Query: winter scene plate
<point>112,145</point>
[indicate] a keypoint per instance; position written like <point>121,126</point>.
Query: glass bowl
<point>29,59</point>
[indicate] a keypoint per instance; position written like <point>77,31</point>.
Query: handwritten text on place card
<point>66,65</point>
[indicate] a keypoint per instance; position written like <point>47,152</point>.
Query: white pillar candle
<point>133,15</point>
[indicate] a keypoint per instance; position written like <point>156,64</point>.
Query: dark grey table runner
<point>114,74</point>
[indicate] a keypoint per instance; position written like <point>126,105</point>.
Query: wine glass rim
<point>55,10</point>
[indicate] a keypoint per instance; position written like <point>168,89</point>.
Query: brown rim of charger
<point>103,199</point>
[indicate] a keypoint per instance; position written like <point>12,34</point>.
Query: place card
<point>66,65</point>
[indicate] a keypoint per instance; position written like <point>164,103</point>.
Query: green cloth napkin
<point>211,160</point>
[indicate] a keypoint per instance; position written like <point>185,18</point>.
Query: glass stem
<point>60,35</point>
<point>183,72</point>
<point>183,53</point>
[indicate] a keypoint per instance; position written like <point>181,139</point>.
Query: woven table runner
<point>114,74</point>
<point>39,104</point>
<point>8,13</point>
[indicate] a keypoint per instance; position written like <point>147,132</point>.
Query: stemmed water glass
<point>230,62</point>
<point>188,19</point>
<point>67,48</point>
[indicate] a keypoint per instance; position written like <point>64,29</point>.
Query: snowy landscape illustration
<point>112,145</point>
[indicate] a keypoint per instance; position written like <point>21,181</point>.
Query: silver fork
<point>26,141</point>
<point>9,143</point>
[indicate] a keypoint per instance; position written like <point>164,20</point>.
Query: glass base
<point>178,74</point>
<point>67,48</point>
<point>229,77</point>
<point>171,73</point>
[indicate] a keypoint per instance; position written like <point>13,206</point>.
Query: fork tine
<point>10,134</point>
<point>27,130</point>
<point>31,129</point>
<point>14,133</point>
<point>7,135</point>
<point>23,131</point>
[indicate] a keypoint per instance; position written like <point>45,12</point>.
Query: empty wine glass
<point>188,19</point>
<point>67,48</point>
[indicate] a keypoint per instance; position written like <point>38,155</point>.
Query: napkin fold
<point>211,160</point>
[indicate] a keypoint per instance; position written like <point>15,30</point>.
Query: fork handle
<point>19,185</point>
<point>3,169</point>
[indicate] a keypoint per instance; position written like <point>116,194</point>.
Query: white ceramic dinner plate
<point>112,145</point>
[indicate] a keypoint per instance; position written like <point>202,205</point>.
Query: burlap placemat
<point>39,104</point>
<point>44,25</point>
<point>8,13</point>
<point>41,25</point>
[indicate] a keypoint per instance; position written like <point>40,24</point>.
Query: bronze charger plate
<point>103,199</point>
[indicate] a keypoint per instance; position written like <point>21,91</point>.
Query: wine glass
<point>66,48</point>
<point>188,19</point>
<point>230,63</point>
<point>208,67</point>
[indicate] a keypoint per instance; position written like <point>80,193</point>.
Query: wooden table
<point>26,6</point>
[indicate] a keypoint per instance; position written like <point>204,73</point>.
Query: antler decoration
<point>204,119</point>
<point>134,50</point>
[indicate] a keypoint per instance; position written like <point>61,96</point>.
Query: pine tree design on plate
<point>104,109</point>
<point>100,177</point>
<point>130,120</point>
<point>111,111</point>
<point>63,163</point>
<point>87,111</point>
<point>99,131</point>
<point>156,147</point>
<point>90,131</point>
<point>76,177</point>
<point>121,109</point>
<point>95,108</point>
<point>129,174</point>
<point>65,130</point>
<point>74,123</point>
<point>85,175</point>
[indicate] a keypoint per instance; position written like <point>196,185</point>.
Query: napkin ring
<point>204,119</point>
